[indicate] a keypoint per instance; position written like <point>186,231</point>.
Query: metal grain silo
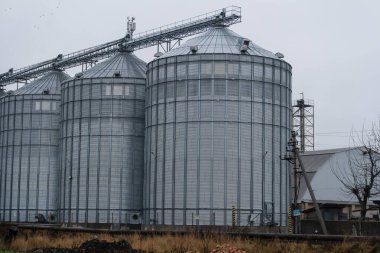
<point>218,117</point>
<point>29,142</point>
<point>103,143</point>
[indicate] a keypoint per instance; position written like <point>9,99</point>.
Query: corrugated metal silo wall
<point>102,150</point>
<point>216,126</point>
<point>29,130</point>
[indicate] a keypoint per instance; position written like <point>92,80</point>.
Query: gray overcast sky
<point>333,46</point>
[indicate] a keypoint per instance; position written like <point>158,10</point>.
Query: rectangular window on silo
<point>220,69</point>
<point>127,91</point>
<point>206,69</point>
<point>117,90</point>
<point>108,90</point>
<point>45,106</point>
<point>37,106</point>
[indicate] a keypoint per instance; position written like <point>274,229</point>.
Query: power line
<point>344,132</point>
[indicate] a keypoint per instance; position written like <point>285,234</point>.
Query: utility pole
<point>317,210</point>
<point>295,182</point>
<point>295,158</point>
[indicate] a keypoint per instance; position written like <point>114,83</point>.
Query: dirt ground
<point>93,246</point>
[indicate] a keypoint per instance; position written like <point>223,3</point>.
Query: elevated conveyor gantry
<point>165,34</point>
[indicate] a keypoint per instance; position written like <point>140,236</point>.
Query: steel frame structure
<point>164,34</point>
<point>303,123</point>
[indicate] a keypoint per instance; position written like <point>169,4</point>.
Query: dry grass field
<point>206,243</point>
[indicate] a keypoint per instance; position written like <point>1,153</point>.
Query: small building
<point>322,168</point>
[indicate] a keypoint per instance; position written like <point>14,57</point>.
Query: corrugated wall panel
<point>225,131</point>
<point>29,143</point>
<point>102,156</point>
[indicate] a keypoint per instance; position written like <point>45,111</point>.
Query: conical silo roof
<point>127,64</point>
<point>50,82</point>
<point>219,40</point>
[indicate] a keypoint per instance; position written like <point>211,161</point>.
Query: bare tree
<point>362,175</point>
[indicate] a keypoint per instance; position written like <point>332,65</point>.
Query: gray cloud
<point>333,46</point>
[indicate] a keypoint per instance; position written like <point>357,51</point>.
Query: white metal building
<point>335,202</point>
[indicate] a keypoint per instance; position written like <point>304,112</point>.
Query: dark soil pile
<point>94,246</point>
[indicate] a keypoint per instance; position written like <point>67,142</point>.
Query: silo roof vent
<point>117,73</point>
<point>78,75</point>
<point>158,54</point>
<point>280,55</point>
<point>244,47</point>
<point>193,49</point>
<point>246,42</point>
